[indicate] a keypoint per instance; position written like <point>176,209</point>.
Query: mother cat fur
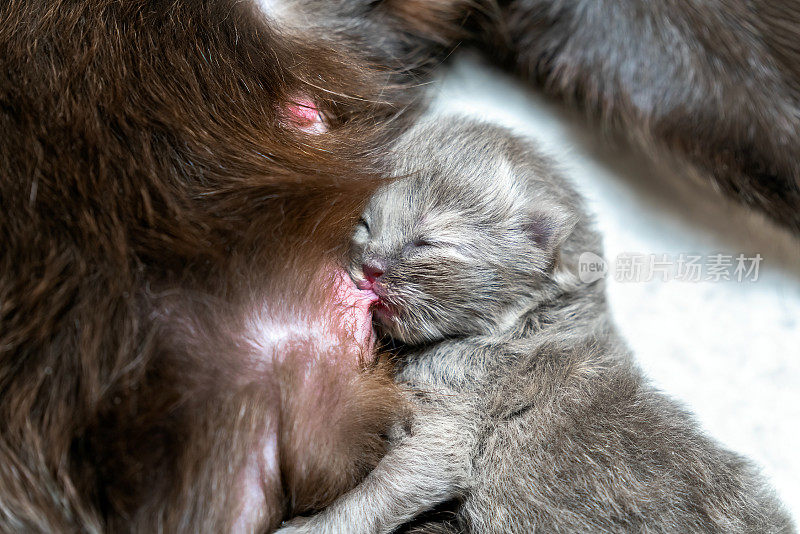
<point>531,412</point>
<point>163,225</point>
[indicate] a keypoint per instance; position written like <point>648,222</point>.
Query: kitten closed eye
<point>417,244</point>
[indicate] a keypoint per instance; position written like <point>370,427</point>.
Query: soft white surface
<point>729,350</point>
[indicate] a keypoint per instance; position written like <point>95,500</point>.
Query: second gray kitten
<point>530,412</point>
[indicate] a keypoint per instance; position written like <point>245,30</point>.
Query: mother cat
<point>176,180</point>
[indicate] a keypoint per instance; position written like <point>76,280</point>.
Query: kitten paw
<point>298,525</point>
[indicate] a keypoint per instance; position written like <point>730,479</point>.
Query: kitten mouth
<point>381,311</point>
<point>364,285</point>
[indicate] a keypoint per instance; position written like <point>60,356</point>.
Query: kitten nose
<point>372,271</point>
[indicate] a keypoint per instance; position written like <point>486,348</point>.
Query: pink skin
<point>372,285</point>
<point>354,307</point>
<point>303,114</point>
<point>345,323</point>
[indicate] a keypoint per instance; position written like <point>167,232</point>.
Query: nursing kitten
<point>531,414</point>
<point>165,221</point>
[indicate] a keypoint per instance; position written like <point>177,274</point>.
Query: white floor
<point>729,350</point>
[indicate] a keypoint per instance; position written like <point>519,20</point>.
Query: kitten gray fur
<point>530,410</point>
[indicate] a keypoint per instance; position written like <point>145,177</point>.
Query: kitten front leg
<point>427,467</point>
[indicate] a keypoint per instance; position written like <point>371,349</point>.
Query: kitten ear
<point>549,227</point>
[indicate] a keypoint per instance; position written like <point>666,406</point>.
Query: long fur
<point>154,199</point>
<point>715,85</point>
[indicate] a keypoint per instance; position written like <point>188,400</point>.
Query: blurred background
<point>728,349</point>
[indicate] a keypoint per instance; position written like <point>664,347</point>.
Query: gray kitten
<point>530,413</point>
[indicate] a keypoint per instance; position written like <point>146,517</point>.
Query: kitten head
<point>466,238</point>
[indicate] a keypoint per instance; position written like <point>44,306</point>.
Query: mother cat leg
<point>716,83</point>
<point>428,465</point>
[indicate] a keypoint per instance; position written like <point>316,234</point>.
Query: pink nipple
<point>304,115</point>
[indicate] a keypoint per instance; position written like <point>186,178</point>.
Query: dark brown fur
<point>150,195</point>
<point>714,83</point>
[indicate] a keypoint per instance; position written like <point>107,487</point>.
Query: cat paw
<point>298,525</point>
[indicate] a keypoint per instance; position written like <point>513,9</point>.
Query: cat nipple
<point>353,308</point>
<point>302,113</point>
